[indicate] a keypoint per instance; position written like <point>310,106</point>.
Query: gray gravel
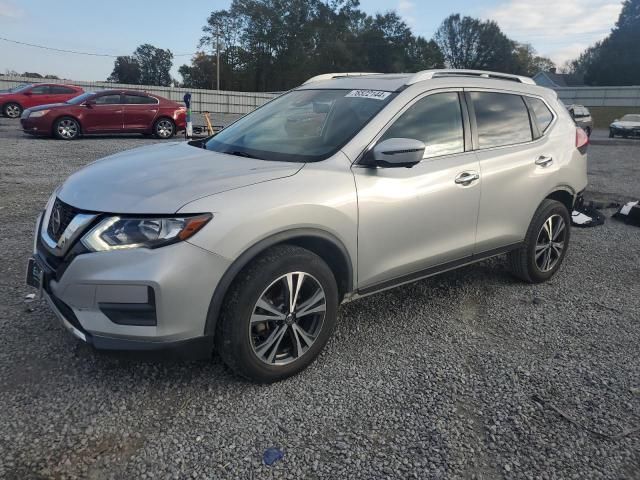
<point>431,380</point>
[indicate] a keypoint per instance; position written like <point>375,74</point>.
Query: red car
<point>17,99</point>
<point>108,111</point>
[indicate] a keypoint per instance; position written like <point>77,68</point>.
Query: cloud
<point>406,9</point>
<point>10,10</point>
<point>560,29</point>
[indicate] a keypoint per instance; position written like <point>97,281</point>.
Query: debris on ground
<point>272,455</point>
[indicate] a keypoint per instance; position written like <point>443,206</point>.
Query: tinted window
<point>541,112</point>
<point>108,99</point>
<point>40,90</point>
<point>139,99</point>
<point>502,119</point>
<point>435,120</point>
<point>57,90</point>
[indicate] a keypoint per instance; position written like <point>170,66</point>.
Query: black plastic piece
<point>136,314</point>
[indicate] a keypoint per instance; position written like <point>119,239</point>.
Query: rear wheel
<point>545,245</point>
<point>12,110</point>
<point>278,314</point>
<point>66,128</point>
<point>164,128</point>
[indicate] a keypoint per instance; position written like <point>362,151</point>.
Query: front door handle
<point>465,178</point>
<point>544,161</point>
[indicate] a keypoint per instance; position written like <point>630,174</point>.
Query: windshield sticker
<point>374,94</point>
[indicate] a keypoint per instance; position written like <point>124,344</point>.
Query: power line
<point>76,52</point>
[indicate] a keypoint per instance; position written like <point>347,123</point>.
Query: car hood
<point>47,106</point>
<point>625,124</point>
<point>160,179</point>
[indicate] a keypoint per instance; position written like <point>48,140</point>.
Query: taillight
<point>582,140</point>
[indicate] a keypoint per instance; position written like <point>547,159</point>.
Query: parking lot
<point>467,375</point>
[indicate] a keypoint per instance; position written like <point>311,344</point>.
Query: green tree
<point>201,73</point>
<point>528,62</point>
<point>155,65</point>
<point>125,70</point>
<point>467,42</point>
<point>272,45</point>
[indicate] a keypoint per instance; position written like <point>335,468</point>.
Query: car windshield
<point>301,126</point>
<point>80,98</point>
<point>631,118</point>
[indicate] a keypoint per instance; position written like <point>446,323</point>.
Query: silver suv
<point>248,241</point>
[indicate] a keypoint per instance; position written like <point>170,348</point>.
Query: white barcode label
<point>374,94</point>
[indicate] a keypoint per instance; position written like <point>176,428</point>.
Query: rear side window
<point>501,118</point>
<point>57,90</point>
<point>40,90</point>
<point>139,100</point>
<point>435,120</point>
<point>541,113</point>
<point>108,100</point>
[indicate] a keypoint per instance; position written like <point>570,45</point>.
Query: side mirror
<point>28,93</point>
<point>398,152</point>
<point>89,103</point>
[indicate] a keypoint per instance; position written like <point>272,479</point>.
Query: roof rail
<point>329,76</point>
<point>429,74</point>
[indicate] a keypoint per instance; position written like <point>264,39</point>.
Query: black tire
<point>237,340</point>
<point>66,128</point>
<point>611,134</point>
<point>164,128</point>
<point>523,262</point>
<point>12,110</point>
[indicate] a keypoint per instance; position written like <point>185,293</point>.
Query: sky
<point>559,29</point>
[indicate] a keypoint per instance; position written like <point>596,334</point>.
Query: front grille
<point>60,218</point>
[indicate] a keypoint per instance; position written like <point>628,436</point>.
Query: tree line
<point>274,45</point>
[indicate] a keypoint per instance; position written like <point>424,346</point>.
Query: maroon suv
<point>15,100</point>
<point>108,111</point>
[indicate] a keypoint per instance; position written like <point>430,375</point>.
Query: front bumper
<point>85,289</point>
<point>40,126</point>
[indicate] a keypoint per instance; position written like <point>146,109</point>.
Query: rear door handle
<point>465,178</point>
<point>544,161</point>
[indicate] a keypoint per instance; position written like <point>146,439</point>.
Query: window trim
<point>522,95</point>
<point>157,102</point>
<point>466,126</point>
<point>48,92</point>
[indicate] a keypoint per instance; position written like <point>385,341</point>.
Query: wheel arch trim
<point>256,249</point>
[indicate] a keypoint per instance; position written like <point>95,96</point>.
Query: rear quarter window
<point>501,118</point>
<point>541,112</point>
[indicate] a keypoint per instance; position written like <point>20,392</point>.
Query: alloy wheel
<point>164,128</point>
<point>67,128</point>
<point>287,318</point>
<point>12,111</point>
<point>550,243</point>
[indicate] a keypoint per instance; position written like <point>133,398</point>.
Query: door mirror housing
<point>89,103</point>
<point>398,152</point>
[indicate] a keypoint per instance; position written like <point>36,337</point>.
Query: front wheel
<point>66,128</point>
<point>545,244</point>
<point>164,128</point>
<point>611,134</point>
<point>278,314</point>
<point>12,110</point>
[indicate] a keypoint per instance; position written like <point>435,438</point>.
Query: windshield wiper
<point>239,153</point>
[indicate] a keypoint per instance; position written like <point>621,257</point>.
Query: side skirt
<point>431,271</point>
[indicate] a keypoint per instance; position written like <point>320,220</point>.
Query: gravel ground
<point>452,377</point>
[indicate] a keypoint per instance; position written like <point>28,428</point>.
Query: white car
<point>627,126</point>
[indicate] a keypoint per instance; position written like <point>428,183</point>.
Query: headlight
<point>117,233</point>
<point>39,113</point>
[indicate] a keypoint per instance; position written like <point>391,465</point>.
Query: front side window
<point>139,99</point>
<point>435,120</point>
<point>40,90</point>
<point>108,100</point>
<point>541,112</point>
<point>301,126</point>
<point>501,118</point>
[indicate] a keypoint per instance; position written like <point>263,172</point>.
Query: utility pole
<point>218,57</point>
